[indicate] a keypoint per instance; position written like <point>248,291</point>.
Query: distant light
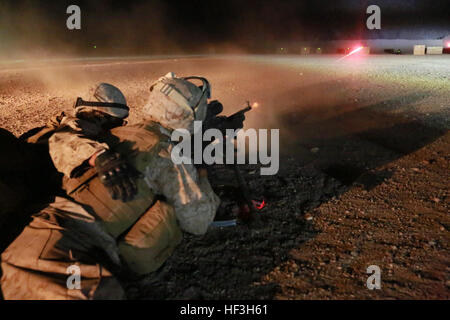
<point>448,44</point>
<point>356,50</point>
<point>95,47</point>
<point>353,52</point>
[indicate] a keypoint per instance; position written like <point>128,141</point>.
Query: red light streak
<point>353,52</point>
<point>259,204</point>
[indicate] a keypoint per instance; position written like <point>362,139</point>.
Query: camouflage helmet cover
<point>177,102</point>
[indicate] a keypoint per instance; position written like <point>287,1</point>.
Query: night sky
<point>149,27</point>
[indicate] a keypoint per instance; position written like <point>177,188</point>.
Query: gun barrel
<point>246,109</point>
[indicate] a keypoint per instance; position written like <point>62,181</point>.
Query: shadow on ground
<point>349,145</point>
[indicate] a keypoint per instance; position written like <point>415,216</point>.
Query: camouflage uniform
<point>28,160</point>
<point>190,194</point>
<point>76,139</point>
<point>146,229</point>
<point>35,266</point>
<point>30,250</point>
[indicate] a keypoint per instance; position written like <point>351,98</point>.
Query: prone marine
<point>125,202</point>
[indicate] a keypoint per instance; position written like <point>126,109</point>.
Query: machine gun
<point>237,116</point>
<point>223,122</point>
<point>235,122</point>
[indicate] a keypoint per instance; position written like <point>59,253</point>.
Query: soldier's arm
<point>70,147</point>
<point>186,189</point>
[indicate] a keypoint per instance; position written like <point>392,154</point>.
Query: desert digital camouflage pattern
<point>190,193</point>
<point>152,232</point>
<point>147,147</point>
<point>74,140</point>
<point>35,265</point>
<point>71,141</point>
<point>72,144</point>
<point>172,100</point>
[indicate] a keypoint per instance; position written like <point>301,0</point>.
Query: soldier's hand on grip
<point>117,175</point>
<point>214,108</point>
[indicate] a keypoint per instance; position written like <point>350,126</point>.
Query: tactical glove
<point>117,175</point>
<point>214,108</point>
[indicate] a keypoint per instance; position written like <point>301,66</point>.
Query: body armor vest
<point>137,144</point>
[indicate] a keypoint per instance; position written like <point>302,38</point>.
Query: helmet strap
<point>81,103</point>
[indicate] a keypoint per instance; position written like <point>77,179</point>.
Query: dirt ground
<point>363,180</point>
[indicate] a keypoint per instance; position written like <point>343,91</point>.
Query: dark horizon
<point>164,27</point>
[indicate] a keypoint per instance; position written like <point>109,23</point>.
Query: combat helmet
<point>176,102</point>
<point>110,100</point>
